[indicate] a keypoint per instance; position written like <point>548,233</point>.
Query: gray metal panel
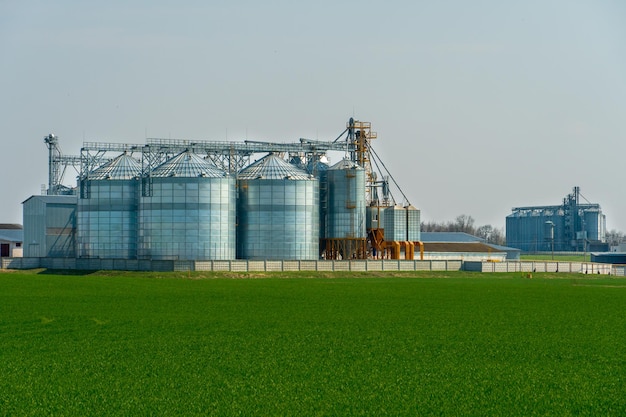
<point>189,219</point>
<point>49,226</point>
<point>375,217</point>
<point>34,227</point>
<point>346,201</point>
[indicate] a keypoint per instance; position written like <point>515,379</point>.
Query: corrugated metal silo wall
<point>107,220</point>
<point>413,222</point>
<point>402,224</point>
<point>323,198</point>
<point>346,204</point>
<point>319,170</point>
<point>278,219</point>
<point>188,219</point>
<point>34,227</point>
<point>595,225</point>
<point>395,224</point>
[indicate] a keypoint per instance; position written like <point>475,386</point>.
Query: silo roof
<point>345,164</point>
<point>274,168</point>
<point>187,165</point>
<point>317,167</point>
<point>124,167</point>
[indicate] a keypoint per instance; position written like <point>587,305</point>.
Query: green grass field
<point>333,344</point>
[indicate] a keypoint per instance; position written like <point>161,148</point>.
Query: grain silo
<point>401,224</point>
<point>345,220</point>
<point>578,226</point>
<point>278,212</point>
<point>190,212</point>
<point>319,169</point>
<point>107,210</point>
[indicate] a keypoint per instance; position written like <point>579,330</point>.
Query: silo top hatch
<point>187,165</point>
<point>124,167</point>
<point>273,168</point>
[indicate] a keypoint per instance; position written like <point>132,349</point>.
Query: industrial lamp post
<point>550,231</point>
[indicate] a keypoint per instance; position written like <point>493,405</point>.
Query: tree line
<point>464,223</point>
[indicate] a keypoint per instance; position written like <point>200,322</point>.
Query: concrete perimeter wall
<point>545,266</point>
<point>234,265</point>
<point>352,265</point>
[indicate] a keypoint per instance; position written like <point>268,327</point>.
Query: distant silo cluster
<point>572,226</point>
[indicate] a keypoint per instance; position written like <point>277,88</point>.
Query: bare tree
<point>614,237</point>
<point>465,223</point>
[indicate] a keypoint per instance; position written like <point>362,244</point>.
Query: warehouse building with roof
<point>459,245</point>
<point>11,240</point>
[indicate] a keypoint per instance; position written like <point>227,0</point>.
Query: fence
<point>351,265</point>
<point>545,266</point>
<point>231,265</point>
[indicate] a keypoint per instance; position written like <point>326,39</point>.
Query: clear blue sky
<point>479,106</point>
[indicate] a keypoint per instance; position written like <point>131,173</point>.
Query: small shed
<point>609,257</point>
<point>467,251</point>
<point>11,240</point>
<point>50,226</point>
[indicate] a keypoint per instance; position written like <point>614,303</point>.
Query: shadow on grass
<point>66,272</point>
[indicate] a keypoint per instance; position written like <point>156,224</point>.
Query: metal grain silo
<point>319,170</point>
<point>107,210</point>
<point>278,211</point>
<point>402,224</point>
<point>595,224</point>
<point>190,214</point>
<point>345,220</point>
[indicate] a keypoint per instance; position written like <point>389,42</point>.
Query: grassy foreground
<point>411,344</point>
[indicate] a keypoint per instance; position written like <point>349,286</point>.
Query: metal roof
<point>187,165</point>
<point>124,167</point>
<point>457,237</point>
<point>317,167</point>
<point>345,164</point>
<point>15,235</point>
<point>274,168</point>
<point>474,247</point>
<point>59,199</point>
<point>504,248</point>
